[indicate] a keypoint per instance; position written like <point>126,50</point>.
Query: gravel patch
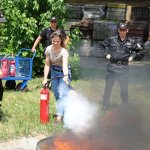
<point>21,144</point>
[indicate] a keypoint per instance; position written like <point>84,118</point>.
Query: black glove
<point>137,46</point>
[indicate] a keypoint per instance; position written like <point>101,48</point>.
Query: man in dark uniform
<point>120,50</point>
<point>1,89</point>
<point>47,32</point>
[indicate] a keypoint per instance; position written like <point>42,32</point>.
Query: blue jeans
<point>59,87</point>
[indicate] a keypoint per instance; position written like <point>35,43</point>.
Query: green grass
<point>19,115</point>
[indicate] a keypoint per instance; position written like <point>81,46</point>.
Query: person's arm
<point>46,69</point>
<point>105,44</point>
<point>130,59</point>
<point>136,47</point>
<point>1,73</point>
<point>36,43</point>
<point>65,67</point>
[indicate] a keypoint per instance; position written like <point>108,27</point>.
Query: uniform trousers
<point>1,90</point>
<point>122,78</point>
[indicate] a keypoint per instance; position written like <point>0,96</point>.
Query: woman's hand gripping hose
<point>65,78</point>
<point>47,82</point>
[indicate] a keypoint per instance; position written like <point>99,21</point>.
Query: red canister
<point>5,67</point>
<point>44,105</point>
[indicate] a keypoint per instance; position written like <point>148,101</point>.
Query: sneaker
<point>58,119</point>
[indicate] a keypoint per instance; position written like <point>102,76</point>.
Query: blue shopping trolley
<point>23,66</point>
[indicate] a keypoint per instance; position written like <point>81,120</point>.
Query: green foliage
<point>25,20</point>
<point>74,61</point>
<point>74,58</point>
<point>74,40</point>
<point>20,113</point>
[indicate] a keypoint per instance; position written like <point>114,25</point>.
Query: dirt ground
<point>24,143</point>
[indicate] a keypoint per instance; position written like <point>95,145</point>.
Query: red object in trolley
<point>12,71</point>
<point>44,105</point>
<point>5,67</point>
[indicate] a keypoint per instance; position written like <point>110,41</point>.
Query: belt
<point>120,63</point>
<point>58,70</point>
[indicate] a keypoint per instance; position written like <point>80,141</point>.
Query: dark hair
<point>58,34</point>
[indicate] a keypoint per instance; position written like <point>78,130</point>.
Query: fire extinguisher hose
<point>48,84</point>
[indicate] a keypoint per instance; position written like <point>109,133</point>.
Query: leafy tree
<point>25,20</point>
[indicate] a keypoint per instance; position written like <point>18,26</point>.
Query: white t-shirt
<point>56,57</point>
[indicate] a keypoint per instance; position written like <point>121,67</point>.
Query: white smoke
<point>79,112</point>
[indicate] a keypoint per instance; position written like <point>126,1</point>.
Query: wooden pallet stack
<point>139,23</point>
<point>116,11</point>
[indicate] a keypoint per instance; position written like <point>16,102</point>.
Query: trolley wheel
<point>10,84</point>
<point>18,88</point>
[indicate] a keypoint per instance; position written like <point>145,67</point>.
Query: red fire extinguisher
<point>44,105</point>
<point>12,71</point>
<point>5,67</point>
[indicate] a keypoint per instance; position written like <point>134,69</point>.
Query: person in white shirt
<point>57,63</point>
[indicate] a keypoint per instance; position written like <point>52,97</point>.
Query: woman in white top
<point>57,63</point>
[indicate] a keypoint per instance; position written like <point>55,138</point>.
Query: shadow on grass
<point>92,73</point>
<point>3,116</point>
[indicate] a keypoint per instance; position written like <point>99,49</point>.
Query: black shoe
<point>55,115</point>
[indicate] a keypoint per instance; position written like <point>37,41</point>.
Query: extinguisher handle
<point>46,85</point>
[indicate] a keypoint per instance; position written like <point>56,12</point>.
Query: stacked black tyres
<point>138,30</point>
<point>101,31</point>
<point>139,24</point>
<point>140,13</point>
<point>75,11</point>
